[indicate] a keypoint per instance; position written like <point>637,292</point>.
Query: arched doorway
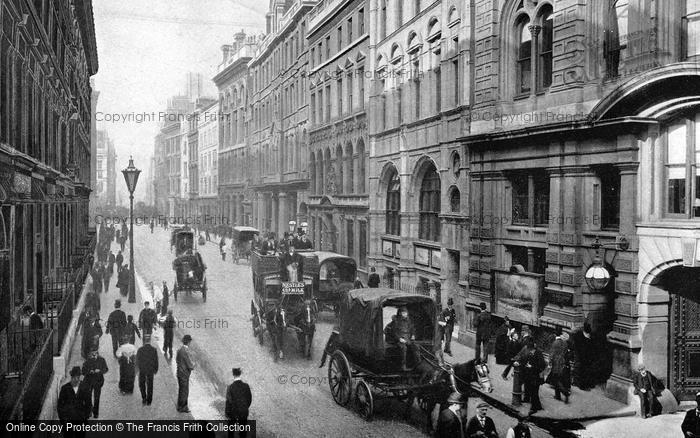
<point>684,329</point>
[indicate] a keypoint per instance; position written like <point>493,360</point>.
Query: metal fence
<point>22,347</point>
<point>59,315</point>
<point>34,384</point>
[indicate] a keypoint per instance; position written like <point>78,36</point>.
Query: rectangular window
<point>399,104</point>
<point>361,86</point>
<point>350,238</point>
<point>349,85</point>
<point>609,198</point>
<point>320,52</point>
<point>339,94</point>
<point>438,90</point>
<point>363,243</point>
<point>349,30</point>
<point>520,204</point>
<point>312,58</point>
<point>340,38</point>
<point>457,88</point>
<point>361,22</point>
<point>540,193</point>
<point>328,47</point>
<point>691,23</point>
<point>676,168</point>
<point>328,103</point>
<point>313,108</point>
<point>530,198</point>
<point>547,33</point>
<point>399,13</point>
<point>416,90</point>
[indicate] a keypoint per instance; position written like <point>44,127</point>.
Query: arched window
<point>454,200</point>
<point>339,182</point>
<point>429,206</point>
<point>524,78</point>
<point>393,204</point>
<point>350,172</point>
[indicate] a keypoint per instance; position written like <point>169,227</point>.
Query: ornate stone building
<point>583,127</point>
<point>47,55</point>
<point>278,112</point>
<point>232,81</point>
<point>338,204</point>
<point>417,170</point>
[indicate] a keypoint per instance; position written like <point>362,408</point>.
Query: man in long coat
<point>147,363</point>
<point>648,388</point>
<point>116,323</point>
<point>94,369</point>
<point>238,400</point>
<point>560,376</point>
<point>532,363</point>
<point>74,403</point>
<point>185,366</point>
<point>482,324</point>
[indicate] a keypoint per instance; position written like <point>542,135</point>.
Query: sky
<point>145,49</point>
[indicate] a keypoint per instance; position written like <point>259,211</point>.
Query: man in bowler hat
<point>74,401</point>
<point>185,365</point>
<point>452,421</point>
<point>480,425</point>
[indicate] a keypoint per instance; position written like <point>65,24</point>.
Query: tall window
<point>438,90</point>
<point>350,237</point>
<point>416,6</point>
<point>349,30</point>
<point>361,86</point>
<point>382,20</point>
<point>457,88</point>
<point>682,171</point>
<point>545,64</point>
<point>361,22</point>
<point>349,86</point>
<point>393,204</point>
<point>340,38</point>
<point>524,57</point>
<point>691,25</point>
<point>416,89</point>
<point>609,197</point>
<point>382,103</point>
<point>530,198</point>
<point>616,36</point>
<point>339,91</point>
<point>399,104</point>
<point>327,118</point>
<point>363,243</point>
<point>454,200</point>
<point>328,47</point>
<point>399,13</point>
<point>429,208</point>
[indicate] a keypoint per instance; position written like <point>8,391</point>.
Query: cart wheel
<point>364,402</point>
<point>204,292</point>
<point>339,378</point>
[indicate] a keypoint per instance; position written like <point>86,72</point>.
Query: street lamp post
<point>131,176</point>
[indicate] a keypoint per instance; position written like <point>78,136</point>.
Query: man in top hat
<point>691,422</point>
<point>185,365</point>
<point>482,324</point>
<point>480,425</point>
<point>116,324</point>
<point>452,421</point>
<point>238,400</point>
<point>147,363</point>
<point>74,403</point>
<point>447,324</point>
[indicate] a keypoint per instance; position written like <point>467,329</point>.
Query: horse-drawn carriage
<point>190,270</point>
<point>242,242</point>
<point>362,359</point>
<point>283,300</point>
<point>334,278</point>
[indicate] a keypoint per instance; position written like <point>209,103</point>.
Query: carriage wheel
<point>364,402</point>
<point>339,378</point>
<point>204,292</point>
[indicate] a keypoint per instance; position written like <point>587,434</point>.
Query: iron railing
<point>22,347</point>
<point>36,381</point>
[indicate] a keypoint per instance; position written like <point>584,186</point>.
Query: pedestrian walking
<point>185,365</point>
<point>168,333</point>
<point>147,363</point>
<point>520,430</point>
<point>165,301</point>
<point>447,324</point>
<point>691,423</point>
<point>106,278</point>
<point>147,318</point>
<point>96,275</point>
<point>222,248</point>
<point>532,364</point>
<point>452,422</point>
<point>127,366</point>
<point>206,234</point>
<point>648,388</point>
<point>151,225</point>
<point>482,324</point>
<point>74,404</point>
<point>122,242</point>
<point>123,280</point>
<point>373,280</point>
<point>238,400</point>
<point>116,322</point>
<point>131,330</point>
<point>119,259</point>
<point>92,303</point>
<point>560,375</point>
<point>584,357</point>
<point>111,260</point>
<point>92,331</point>
<point>94,370</point>
<point>481,425</point>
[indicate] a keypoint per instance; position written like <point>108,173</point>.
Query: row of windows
<point>428,205</point>
<point>344,36</point>
<point>293,97</point>
<point>344,89</point>
<point>344,173</point>
<point>282,58</point>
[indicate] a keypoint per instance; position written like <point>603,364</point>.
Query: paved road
<point>290,397</point>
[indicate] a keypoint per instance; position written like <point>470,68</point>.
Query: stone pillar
<point>274,222</point>
<point>282,214</point>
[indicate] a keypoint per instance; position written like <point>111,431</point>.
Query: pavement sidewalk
<point>113,405</point>
<point>582,406</point>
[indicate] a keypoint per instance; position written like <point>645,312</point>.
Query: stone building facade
<point>277,125</point>
<point>232,81</point>
<point>338,201</point>
<point>47,55</point>
<point>417,169</point>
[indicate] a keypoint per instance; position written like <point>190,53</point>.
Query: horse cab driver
<point>401,333</point>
